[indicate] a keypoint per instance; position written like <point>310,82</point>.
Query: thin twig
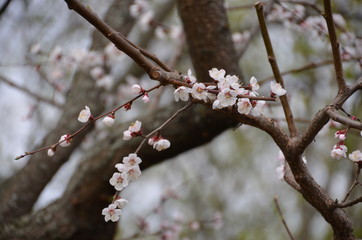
<point>90,122</point>
<point>282,218</point>
<point>335,45</point>
<point>163,125</point>
<point>274,65</point>
<point>355,183</point>
<point>30,93</point>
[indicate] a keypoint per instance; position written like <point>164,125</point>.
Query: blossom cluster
<point>340,149</point>
<point>128,171</point>
<point>226,92</point>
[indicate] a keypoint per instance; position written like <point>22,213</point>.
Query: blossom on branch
<point>355,156</point>
<point>132,160</point>
<point>277,89</point>
<point>133,130</point>
<point>111,213</point>
<point>244,106</point>
<point>198,91</point>
<point>181,93</point>
<point>119,180</point>
<point>339,150</point>
<point>108,120</point>
<point>84,115</point>
<point>65,140</point>
<point>161,144</point>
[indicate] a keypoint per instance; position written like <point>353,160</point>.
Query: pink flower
<point>109,120</point>
<point>355,156</point>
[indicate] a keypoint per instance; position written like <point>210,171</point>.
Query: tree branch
<point>335,45</point>
<point>274,65</point>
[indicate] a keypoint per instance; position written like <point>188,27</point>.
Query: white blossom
<point>133,172</point>
<point>121,203</point>
<point>181,93</point>
<point>254,84</point>
<point>277,89</point>
<point>339,151</point>
<point>108,120</point>
<point>355,156</point>
<point>131,160</point>
<point>136,89</point>
<point>258,109</point>
<point>135,127</point>
<point>111,213</point>
<point>121,167</point>
<point>227,97</point>
<point>198,91</point>
<point>341,135</point>
<point>66,140</point>
<point>50,152</point>
<point>244,105</point>
<point>145,98</point>
<point>161,144</point>
<point>191,78</point>
<point>84,115</point>
<point>127,135</point>
<point>119,180</point>
<point>217,74</point>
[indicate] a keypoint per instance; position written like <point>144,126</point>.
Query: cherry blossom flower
<point>119,180</point>
<point>355,156</point>
<point>227,97</point>
<point>133,130</point>
<point>217,74</point>
<point>135,127</point>
<point>254,84</point>
<point>190,78</point>
<point>111,213</point>
<point>277,89</point>
<point>339,151</point>
<point>145,98</point>
<point>51,152</point>
<point>131,160</point>
<point>133,172</point>
<point>127,135</point>
<point>84,115</point>
<point>121,167</point>
<point>181,93</point>
<point>121,202</point>
<point>198,91</point>
<point>108,120</point>
<point>341,135</point>
<point>161,144</point>
<point>244,105</point>
<point>136,89</point>
<point>65,140</point>
<point>216,104</point>
<point>258,109</point>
